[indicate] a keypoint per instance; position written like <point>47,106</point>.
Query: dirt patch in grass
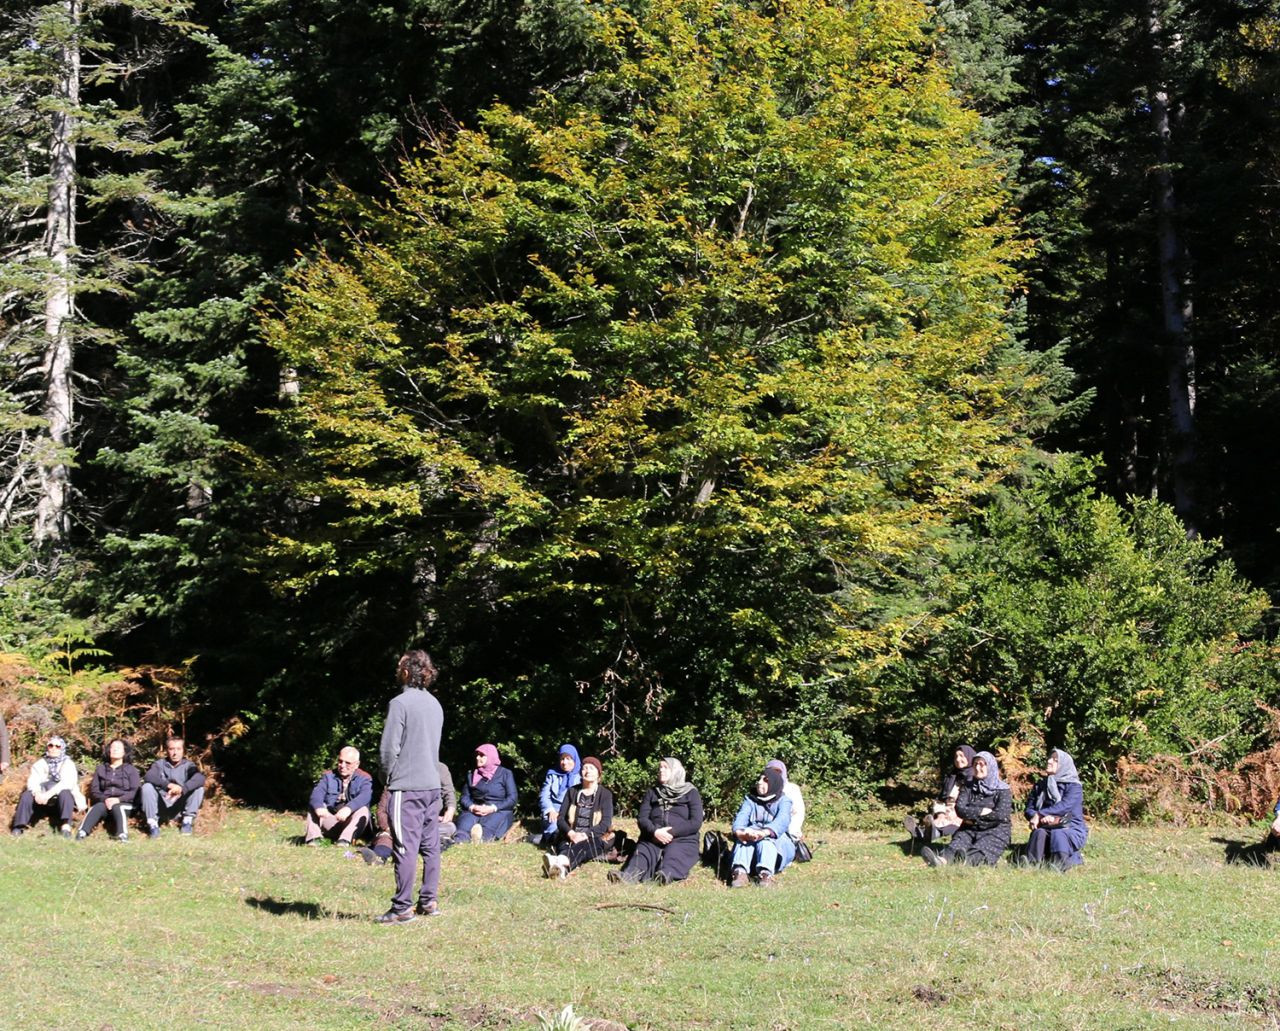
<point>1189,992</point>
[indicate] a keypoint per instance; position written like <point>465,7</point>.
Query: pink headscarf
<point>490,766</point>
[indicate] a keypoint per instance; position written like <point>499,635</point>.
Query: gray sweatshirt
<point>410,748</point>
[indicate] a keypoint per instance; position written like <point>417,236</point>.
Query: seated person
<point>670,819</point>
<point>559,779</point>
<point>380,851</point>
<point>174,786</point>
<point>112,791</point>
<point>764,848</point>
<point>1055,810</point>
<point>941,820</point>
<point>985,808</point>
<point>585,824</point>
<point>792,791</point>
<point>488,799</point>
<point>53,787</point>
<point>339,803</point>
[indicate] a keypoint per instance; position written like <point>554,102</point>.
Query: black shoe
<point>911,825</point>
<point>931,857</point>
<point>431,908</point>
<point>392,917</point>
<point>17,832</point>
<point>663,878</point>
<point>614,877</point>
<point>371,857</point>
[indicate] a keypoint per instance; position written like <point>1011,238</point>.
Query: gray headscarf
<point>1066,775</point>
<point>991,783</point>
<point>676,786</point>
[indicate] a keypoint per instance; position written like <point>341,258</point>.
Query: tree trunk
<point>52,509</point>
<point>1178,345</point>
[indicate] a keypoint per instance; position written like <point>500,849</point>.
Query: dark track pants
<point>415,831</point>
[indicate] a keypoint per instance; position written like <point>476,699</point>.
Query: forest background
<point>837,381</point>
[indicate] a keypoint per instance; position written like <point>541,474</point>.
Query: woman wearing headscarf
<point>792,791</point>
<point>488,799</point>
<point>1055,811</point>
<point>985,808</point>
<point>53,786</point>
<point>585,823</point>
<point>555,786</point>
<point>763,847</point>
<point>670,820</point>
<point>941,819</point>
<point>112,791</point>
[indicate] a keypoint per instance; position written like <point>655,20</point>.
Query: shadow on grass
<point>305,910</point>
<point>1245,853</point>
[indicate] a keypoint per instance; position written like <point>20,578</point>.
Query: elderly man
<point>54,787</point>
<point>339,806</point>
<point>173,786</point>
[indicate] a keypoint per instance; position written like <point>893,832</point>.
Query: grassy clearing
<point>244,928</point>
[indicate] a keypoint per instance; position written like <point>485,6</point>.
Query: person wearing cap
<point>53,787</point>
<point>339,803</point>
<point>173,787</point>
<point>585,823</point>
<point>559,779</point>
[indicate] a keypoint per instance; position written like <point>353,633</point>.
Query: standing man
<point>410,755</point>
<point>339,804</point>
<point>173,785</point>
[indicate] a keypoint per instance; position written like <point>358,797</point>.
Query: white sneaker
<point>561,866</point>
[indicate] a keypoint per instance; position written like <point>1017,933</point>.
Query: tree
<point>75,231</point>
<point>670,383</point>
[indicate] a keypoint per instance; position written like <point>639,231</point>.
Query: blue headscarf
<point>574,776</point>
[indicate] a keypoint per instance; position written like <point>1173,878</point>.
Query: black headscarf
<point>773,778</point>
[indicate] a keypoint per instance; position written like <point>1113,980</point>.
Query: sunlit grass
<point>243,928</point>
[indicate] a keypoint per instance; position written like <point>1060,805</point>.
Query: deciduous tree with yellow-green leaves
<point>654,399</point>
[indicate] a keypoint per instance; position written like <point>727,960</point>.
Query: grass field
<point>243,928</point>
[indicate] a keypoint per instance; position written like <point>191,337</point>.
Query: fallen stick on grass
<point>634,905</point>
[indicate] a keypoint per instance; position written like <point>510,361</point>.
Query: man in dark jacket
<point>339,805</point>
<point>171,787</point>
<point>410,754</point>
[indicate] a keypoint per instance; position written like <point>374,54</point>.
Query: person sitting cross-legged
<point>339,803</point>
<point>172,788</point>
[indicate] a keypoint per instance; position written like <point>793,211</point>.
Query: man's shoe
<point>911,825</point>
<point>17,832</point>
<point>614,877</point>
<point>546,864</point>
<point>933,858</point>
<point>371,857</point>
<point>766,880</point>
<point>81,835</point>
<point>663,878</point>
<point>122,837</point>
<point>392,917</point>
<point>186,828</point>
<point>66,830</point>
<point>153,830</point>
<point>431,908</point>
<point>740,878</point>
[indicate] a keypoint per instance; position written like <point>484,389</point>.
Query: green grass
<point>242,928</point>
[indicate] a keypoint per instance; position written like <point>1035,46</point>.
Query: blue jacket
<point>775,818</point>
<point>1070,808</point>
<point>557,782</point>
<point>325,794</point>
<point>499,790</point>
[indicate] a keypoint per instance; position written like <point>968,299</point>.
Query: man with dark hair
<point>173,785</point>
<point>410,753</point>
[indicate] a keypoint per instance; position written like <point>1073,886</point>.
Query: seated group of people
<point>172,790</point>
<point>974,807</point>
<point>340,803</point>
<point>576,812</point>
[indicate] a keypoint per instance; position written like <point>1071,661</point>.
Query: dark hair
<point>416,669</point>
<point>128,750</point>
